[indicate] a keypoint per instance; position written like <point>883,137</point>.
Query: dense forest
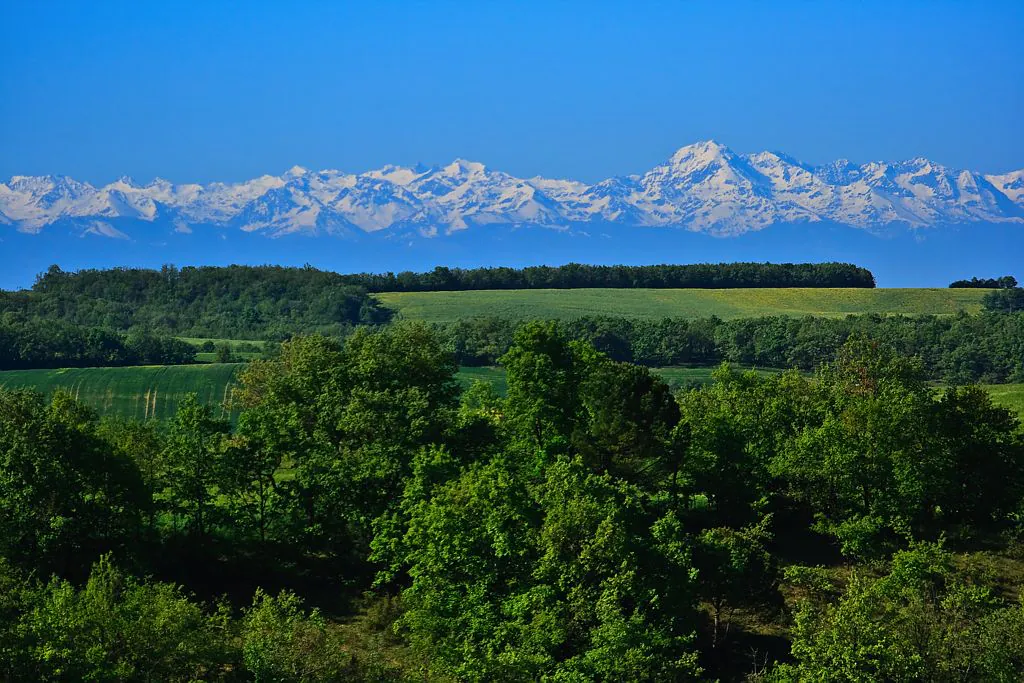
<point>232,302</point>
<point>41,343</point>
<point>959,349</point>
<point>367,520</point>
<point>577,275</point>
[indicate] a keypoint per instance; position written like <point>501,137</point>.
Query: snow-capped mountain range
<point>704,187</point>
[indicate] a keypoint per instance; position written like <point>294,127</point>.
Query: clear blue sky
<point>199,91</point>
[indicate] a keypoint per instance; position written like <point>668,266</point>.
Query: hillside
<point>151,391</point>
<point>206,301</point>
<point>687,303</point>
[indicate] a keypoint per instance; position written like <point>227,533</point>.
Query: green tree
<point>284,643</point>
<point>923,621</point>
<point>193,462</point>
<point>566,578</point>
<point>544,371</point>
<point>116,628</point>
<point>349,419</point>
<point>977,481</point>
<point>262,445</point>
<point>223,353</point>
<point>863,469</point>
<point>734,570</point>
<point>626,422</point>
<point>142,444</point>
<point>730,433</point>
<point>550,555</point>
<point>65,495</point>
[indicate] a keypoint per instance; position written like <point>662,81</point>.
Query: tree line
<point>271,302</point>
<point>964,348</point>
<point>42,343</point>
<point>1005,282</point>
<point>589,526</point>
<point>988,347</point>
<point>577,275</point>
<point>266,302</point>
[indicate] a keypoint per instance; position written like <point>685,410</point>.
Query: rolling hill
<point>684,303</point>
<point>151,391</point>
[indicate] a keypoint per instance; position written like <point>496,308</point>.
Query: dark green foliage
<point>266,302</point>
<point>864,448</point>
<point>223,353</point>
<point>729,434</point>
<point>591,526</point>
<point>1010,300</point>
<point>735,569</point>
<point>626,422</point>
<point>65,496</point>
<point>964,348</point>
<point>41,343</point>
<point>281,641</point>
<point>119,628</point>
<point>923,621</point>
<point>347,421</point>
<point>115,628</point>
<point>194,471</point>
<point>1005,282</point>
<point>577,275</point>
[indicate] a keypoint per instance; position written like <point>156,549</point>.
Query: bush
<point>283,642</point>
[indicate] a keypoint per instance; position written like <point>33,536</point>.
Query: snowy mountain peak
<point>464,167</point>
<point>700,153</point>
<point>399,175</point>
<point>702,187</point>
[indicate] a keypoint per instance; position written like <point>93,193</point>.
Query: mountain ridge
<point>704,187</point>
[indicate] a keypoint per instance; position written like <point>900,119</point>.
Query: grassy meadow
<point>684,303</point>
<point>150,391</point>
<point>1008,395</point>
<point>235,344</point>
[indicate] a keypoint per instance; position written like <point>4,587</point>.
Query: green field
<point>492,375</point>
<point>151,391</point>
<point>199,341</point>
<point>1008,395</point>
<point>684,303</point>
<point>211,356</point>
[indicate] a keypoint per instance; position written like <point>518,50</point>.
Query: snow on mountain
<point>702,187</point>
<point>1011,185</point>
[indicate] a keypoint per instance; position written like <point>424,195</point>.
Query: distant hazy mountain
<point>703,187</point>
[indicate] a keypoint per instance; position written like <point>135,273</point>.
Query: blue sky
<point>199,91</point>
